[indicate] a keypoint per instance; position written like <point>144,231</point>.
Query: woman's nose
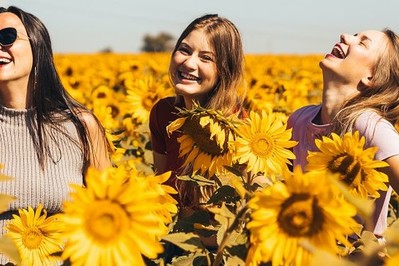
<point>346,38</point>
<point>191,62</point>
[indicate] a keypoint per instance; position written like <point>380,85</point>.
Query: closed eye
<point>365,41</point>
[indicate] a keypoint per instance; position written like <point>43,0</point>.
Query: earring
<point>35,76</point>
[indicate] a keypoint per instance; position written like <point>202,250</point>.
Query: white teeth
<point>188,76</point>
<point>338,52</point>
<point>341,53</point>
<point>4,60</point>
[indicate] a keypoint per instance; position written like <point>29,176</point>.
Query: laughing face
<point>15,60</point>
<point>353,59</point>
<point>193,68</point>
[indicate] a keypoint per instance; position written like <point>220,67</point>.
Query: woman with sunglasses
<point>47,139</point>
<point>360,93</point>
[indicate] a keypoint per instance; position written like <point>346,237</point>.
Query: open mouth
<point>338,52</point>
<point>4,61</point>
<point>187,76</point>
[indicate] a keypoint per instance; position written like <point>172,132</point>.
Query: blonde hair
<point>381,97</point>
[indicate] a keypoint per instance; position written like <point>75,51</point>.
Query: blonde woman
<point>360,93</point>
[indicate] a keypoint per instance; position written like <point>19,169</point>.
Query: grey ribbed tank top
<point>30,184</point>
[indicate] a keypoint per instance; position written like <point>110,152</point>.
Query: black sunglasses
<point>8,36</point>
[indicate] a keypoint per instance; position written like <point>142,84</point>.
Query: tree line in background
<point>161,42</point>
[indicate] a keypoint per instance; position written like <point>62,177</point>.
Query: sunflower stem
<point>238,218</point>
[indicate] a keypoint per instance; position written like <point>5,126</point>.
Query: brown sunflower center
<point>149,100</point>
<point>300,215</point>
<point>32,238</point>
<point>114,110</point>
<point>101,95</point>
<point>262,145</point>
<point>106,221</point>
<point>347,167</point>
<point>201,136</point>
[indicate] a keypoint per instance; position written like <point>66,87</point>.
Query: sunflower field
<point>260,212</point>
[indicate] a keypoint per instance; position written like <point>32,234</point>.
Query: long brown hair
<point>228,94</point>
<point>224,37</point>
<point>382,96</point>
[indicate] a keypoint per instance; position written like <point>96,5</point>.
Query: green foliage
<point>214,234</point>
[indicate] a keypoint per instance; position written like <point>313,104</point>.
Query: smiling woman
<point>206,71</point>
<point>48,140</point>
<point>206,68</point>
<point>360,96</point>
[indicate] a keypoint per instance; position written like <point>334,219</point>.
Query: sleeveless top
<point>31,184</point>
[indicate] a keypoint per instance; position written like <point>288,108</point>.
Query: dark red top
<point>162,114</point>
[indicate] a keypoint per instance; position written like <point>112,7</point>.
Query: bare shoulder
<point>99,148</point>
<point>88,119</point>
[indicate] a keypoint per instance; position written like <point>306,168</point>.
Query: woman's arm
<point>159,162</point>
<point>393,172</point>
<point>99,148</point>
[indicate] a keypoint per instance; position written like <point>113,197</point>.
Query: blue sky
<point>279,26</point>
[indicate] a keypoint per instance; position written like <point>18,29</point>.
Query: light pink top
<point>377,131</point>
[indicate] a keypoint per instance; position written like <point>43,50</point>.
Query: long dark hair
<point>46,94</point>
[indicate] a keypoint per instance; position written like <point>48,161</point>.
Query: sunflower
<point>169,204</point>
<point>391,235</point>
<point>113,221</point>
<point>263,144</point>
<point>205,139</point>
<point>142,94</point>
<point>304,208</point>
<point>130,68</point>
<point>129,169</point>
<point>5,199</point>
<point>353,164</point>
<point>36,236</point>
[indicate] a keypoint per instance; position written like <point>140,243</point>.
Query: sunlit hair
<point>46,94</point>
<point>229,92</point>
<point>224,37</point>
<point>382,96</point>
<point>191,195</point>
